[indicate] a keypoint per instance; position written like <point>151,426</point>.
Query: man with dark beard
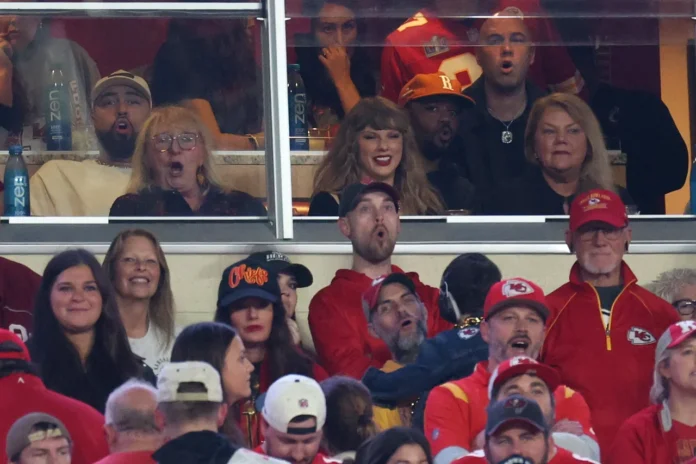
<point>369,217</point>
<point>434,103</point>
<point>398,317</point>
<point>121,104</point>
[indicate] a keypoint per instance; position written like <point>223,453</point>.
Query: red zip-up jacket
<point>339,327</point>
<point>611,367</point>
<point>21,394</point>
<point>248,417</point>
<point>645,438</point>
<point>18,287</point>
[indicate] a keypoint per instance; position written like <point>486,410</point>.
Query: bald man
<point>493,130</point>
<point>131,429</point>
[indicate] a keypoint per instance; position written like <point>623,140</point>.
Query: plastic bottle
<point>297,104</point>
<point>58,131</point>
<point>16,184</point>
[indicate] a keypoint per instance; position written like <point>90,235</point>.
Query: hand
<point>568,426</point>
<point>337,63</point>
<point>480,440</point>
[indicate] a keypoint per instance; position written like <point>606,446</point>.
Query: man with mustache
<point>515,314</point>
<point>602,323</point>
<point>396,315</point>
<point>369,217</point>
<point>121,104</point>
<point>434,103</point>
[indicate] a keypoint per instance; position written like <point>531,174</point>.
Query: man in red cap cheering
<point>603,327</point>
<point>515,313</point>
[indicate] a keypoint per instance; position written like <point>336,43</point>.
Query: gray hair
<point>126,417</point>
<point>669,283</point>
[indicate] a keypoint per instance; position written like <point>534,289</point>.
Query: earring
<point>200,177</point>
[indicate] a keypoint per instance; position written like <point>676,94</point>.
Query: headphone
<point>448,305</point>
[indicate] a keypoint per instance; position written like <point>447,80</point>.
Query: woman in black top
<point>208,65</point>
<point>173,172</point>
<point>336,72</point>
<point>565,149</point>
<point>79,343</point>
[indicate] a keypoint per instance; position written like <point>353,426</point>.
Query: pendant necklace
<point>506,135</point>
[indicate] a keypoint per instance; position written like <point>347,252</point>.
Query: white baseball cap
<point>122,77</point>
<point>173,375</point>
<point>292,396</point>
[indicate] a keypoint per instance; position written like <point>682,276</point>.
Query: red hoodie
<point>339,328</point>
<point>21,394</point>
<point>18,287</point>
<point>611,367</point>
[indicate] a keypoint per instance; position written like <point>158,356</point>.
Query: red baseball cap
<point>512,292</point>
<point>675,335</point>
<point>12,347</point>
<point>598,206</point>
<point>371,295</point>
<point>520,365</point>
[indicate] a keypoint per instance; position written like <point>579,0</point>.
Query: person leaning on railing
<point>173,172</point>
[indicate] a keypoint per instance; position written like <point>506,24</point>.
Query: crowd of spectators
<point>478,370</point>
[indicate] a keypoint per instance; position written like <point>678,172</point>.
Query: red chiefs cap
<point>598,206</point>
<point>512,292</point>
<point>520,365</point>
<point>674,336</point>
<point>371,295</point>
<point>12,347</point>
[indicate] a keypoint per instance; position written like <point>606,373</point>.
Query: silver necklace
<point>506,135</point>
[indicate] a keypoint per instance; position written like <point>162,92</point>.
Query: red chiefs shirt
<point>589,355</point>
<point>18,287</point>
<point>21,394</point>
<point>426,44</point>
<point>339,327</point>
<point>561,457</point>
<point>686,441</point>
<point>455,412</point>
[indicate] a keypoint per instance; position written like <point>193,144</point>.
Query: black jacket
<point>203,447</point>
<point>657,158</point>
<point>485,160</point>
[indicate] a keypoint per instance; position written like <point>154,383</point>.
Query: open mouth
<point>123,126</point>
<point>381,232</point>
<point>406,323</point>
<point>383,160</point>
<point>520,343</point>
<point>139,280</point>
<point>176,168</point>
<point>506,66</point>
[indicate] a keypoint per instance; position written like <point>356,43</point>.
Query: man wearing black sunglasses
<point>603,327</point>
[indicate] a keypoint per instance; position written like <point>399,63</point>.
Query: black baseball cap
<point>351,195</point>
<point>280,263</point>
<point>515,408</point>
<point>247,278</point>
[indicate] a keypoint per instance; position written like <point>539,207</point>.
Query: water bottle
<point>16,184</point>
<point>58,131</point>
<point>297,99</point>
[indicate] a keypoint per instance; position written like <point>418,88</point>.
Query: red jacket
<point>18,286</point>
<point>247,415</point>
<point>646,437</point>
<point>339,327</point>
<point>21,394</point>
<point>455,412</point>
<point>613,369</point>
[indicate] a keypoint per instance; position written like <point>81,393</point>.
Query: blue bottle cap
<point>294,66</point>
<point>15,150</point>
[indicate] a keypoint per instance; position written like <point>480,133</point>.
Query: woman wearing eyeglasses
<point>173,172</point>
<point>677,287</point>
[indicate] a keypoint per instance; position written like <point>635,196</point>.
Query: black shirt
<point>607,296</point>
<point>323,204</point>
<point>204,447</point>
<point>155,201</point>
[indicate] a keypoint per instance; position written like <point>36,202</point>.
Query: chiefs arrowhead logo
<point>467,332</point>
<point>638,336</point>
<point>516,288</point>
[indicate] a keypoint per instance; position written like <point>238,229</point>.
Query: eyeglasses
<point>164,141</point>
<point>610,233</point>
<point>685,307</point>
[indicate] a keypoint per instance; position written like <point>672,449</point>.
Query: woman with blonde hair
<point>174,175</point>
<point>375,143</point>
<point>137,268</point>
<point>565,149</point>
<point>664,432</point>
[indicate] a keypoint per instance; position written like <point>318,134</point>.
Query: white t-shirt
<point>151,347</point>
